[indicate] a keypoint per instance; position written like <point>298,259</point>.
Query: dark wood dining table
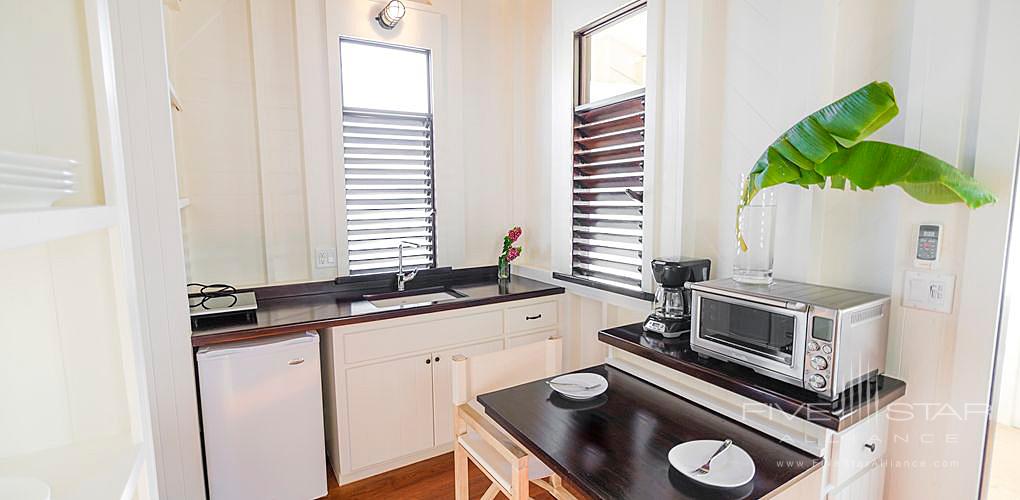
<point>615,446</point>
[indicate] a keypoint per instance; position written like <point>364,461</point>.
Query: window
<point>388,163</point>
<point>609,152</point>
<point>612,55</point>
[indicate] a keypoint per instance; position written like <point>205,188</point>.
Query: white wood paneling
<point>149,210</point>
<point>216,141</point>
<point>280,166</point>
<point>38,412</point>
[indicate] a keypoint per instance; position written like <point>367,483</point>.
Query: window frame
<point>581,69</point>
<point>429,117</point>
<point>579,83</point>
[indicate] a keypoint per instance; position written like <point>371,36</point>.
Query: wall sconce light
<point>391,14</point>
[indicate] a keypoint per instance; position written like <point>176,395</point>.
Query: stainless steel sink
<point>413,298</point>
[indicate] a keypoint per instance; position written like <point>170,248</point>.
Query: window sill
<point>600,286</point>
<point>585,288</point>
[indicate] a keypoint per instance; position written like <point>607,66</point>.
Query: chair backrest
<point>499,370</point>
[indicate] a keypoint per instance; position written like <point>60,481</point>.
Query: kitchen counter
<point>856,405</point>
<point>616,445</point>
<point>296,308</point>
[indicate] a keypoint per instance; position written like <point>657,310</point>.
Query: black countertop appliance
<point>671,310</point>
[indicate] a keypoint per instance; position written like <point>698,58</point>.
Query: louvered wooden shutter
<point>389,188</point>
<point>609,159</point>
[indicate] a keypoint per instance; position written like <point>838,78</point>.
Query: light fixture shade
<point>391,14</point>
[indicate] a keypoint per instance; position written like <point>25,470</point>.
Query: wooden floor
<point>430,479</point>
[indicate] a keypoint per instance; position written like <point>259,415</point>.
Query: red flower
<point>514,253</point>
<point>514,233</point>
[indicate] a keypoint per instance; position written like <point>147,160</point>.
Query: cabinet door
<point>442,386</point>
<point>390,409</point>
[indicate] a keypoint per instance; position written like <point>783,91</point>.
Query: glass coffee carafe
<point>670,310</point>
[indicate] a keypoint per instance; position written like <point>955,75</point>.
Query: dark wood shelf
<point>855,405</point>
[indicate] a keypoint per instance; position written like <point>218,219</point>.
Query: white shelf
<point>30,227</point>
<point>105,469</point>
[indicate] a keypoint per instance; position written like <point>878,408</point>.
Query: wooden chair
<point>504,461</point>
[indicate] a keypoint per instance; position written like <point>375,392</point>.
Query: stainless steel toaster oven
<point>821,338</point>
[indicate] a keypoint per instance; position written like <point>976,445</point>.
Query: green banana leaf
<point>829,145</point>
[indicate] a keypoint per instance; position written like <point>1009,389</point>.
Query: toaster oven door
<point>751,333</point>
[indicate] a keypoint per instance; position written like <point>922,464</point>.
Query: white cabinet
<point>857,448</point>
<point>392,413</point>
<point>388,383</point>
<point>867,486</point>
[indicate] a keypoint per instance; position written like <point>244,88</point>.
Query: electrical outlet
<point>325,257</point>
<point>929,291</point>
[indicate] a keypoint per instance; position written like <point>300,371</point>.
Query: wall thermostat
<point>929,245</point>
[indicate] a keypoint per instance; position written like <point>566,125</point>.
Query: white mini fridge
<point>262,419</point>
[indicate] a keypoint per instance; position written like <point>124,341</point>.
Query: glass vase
<point>756,228</point>
<point>504,269</point>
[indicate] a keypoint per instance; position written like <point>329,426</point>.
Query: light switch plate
<point>929,291</point>
<point>325,258</point>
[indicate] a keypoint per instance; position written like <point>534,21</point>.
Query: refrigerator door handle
<point>296,361</point>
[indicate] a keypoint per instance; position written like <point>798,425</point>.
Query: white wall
<point>60,351</point>
<point>255,147</point>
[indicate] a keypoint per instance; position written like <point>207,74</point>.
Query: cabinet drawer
<point>857,448</point>
<point>424,336</point>
<point>530,338</point>
<point>531,316</point>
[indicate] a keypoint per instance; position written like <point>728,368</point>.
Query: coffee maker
<point>671,311</point>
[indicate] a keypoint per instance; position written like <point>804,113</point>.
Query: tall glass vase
<point>756,230</point>
<point>504,269</point>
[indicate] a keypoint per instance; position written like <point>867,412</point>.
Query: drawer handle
<point>297,361</point>
<point>870,446</point>
<point>529,318</point>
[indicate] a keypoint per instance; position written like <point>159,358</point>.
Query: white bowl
<point>21,197</point>
<point>733,468</point>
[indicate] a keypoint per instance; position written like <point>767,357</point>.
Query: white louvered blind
<point>608,192</point>
<point>389,189</point>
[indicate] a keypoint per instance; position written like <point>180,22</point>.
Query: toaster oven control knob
<point>817,382</point>
<point>827,349</point>
<point>812,346</point>
<point>819,363</point>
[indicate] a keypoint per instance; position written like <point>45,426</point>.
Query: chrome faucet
<point>401,277</point>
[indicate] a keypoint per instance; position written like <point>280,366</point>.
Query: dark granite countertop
<point>856,405</point>
<point>296,308</point>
